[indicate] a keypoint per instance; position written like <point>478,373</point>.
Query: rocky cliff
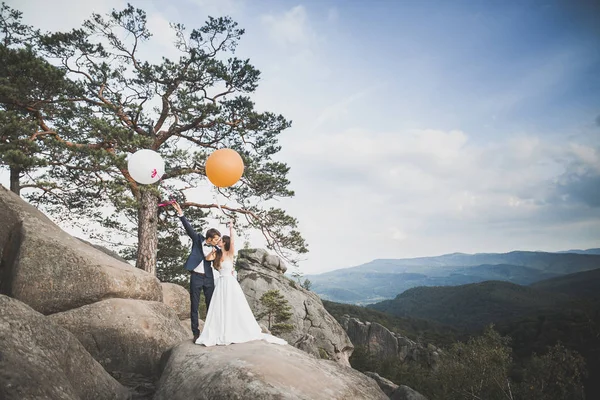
<point>77,323</point>
<point>382,343</point>
<point>314,329</point>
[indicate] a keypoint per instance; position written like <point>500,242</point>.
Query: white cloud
<point>397,234</point>
<point>219,8</point>
<point>162,35</point>
<point>587,155</point>
<point>290,28</point>
<point>431,189</point>
<point>359,148</point>
<point>62,14</point>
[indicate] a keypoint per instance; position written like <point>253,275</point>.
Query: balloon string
<point>217,200</point>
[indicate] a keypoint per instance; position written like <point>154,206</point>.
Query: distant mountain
<point>506,272</point>
<point>580,285</point>
<point>476,305</point>
<point>385,278</point>
<point>473,306</point>
<point>563,309</point>
<point>560,263</point>
<point>588,251</point>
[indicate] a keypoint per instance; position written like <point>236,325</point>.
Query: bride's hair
<point>217,260</point>
<point>226,242</point>
<point>219,255</point>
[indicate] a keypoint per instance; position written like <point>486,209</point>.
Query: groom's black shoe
<point>195,338</point>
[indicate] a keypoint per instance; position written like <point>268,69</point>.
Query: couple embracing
<point>229,318</point>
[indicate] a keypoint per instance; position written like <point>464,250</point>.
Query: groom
<point>199,263</point>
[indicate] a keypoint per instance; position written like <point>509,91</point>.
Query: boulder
<point>357,331</point>
<point>124,335</point>
<point>405,393</point>
<point>41,360</point>
<point>178,298</point>
<point>386,385</point>
<point>187,326</point>
<point>382,343</point>
<point>51,271</point>
<point>103,249</point>
<point>262,258</point>
<point>394,391</point>
<point>315,330</point>
<point>258,370</point>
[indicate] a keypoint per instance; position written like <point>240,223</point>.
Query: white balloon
<point>146,166</point>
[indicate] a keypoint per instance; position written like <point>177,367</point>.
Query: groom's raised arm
<point>186,224</point>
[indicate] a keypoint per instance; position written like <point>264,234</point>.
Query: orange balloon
<point>224,167</point>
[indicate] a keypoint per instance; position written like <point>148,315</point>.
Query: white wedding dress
<point>229,318</point>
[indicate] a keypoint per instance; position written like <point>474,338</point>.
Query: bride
<point>229,318</point>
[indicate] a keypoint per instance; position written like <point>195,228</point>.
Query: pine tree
<point>277,311</point>
<point>307,284</point>
<point>29,87</point>
<point>184,109</point>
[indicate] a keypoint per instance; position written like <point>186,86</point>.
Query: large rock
<point>124,335</point>
<point>393,391</point>
<point>187,325</point>
<point>386,385</point>
<point>258,370</point>
<point>178,298</point>
<point>405,393</point>
<point>315,330</point>
<point>52,271</point>
<point>103,249</point>
<point>41,360</point>
<point>382,343</point>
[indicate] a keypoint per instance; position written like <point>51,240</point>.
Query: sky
<point>420,128</point>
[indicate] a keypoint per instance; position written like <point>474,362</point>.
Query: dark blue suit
<point>198,282</point>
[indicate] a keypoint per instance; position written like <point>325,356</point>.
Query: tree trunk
<point>15,180</point>
<point>269,320</point>
<point>147,231</point>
